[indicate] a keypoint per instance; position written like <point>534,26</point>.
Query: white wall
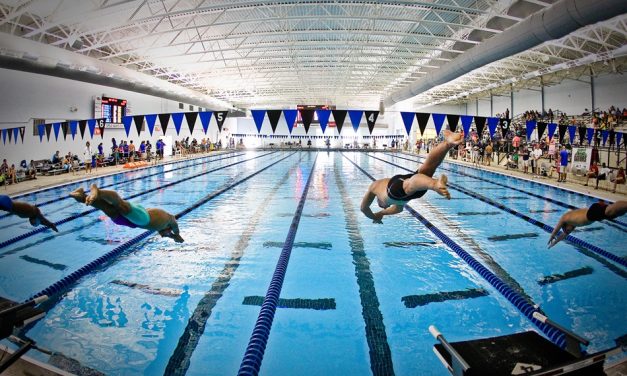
<point>609,90</point>
<point>570,96</point>
<point>501,103</point>
<point>527,100</point>
<point>29,96</point>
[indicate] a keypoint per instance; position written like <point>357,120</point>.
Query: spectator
<point>142,150</point>
<point>537,154</point>
<point>525,158</point>
<point>87,155</point>
<point>592,173</point>
<point>563,164</point>
<point>131,151</point>
<point>12,175</point>
<point>603,174</point>
<point>619,179</point>
<point>31,171</point>
<point>56,158</point>
<point>488,154</point>
<point>100,151</point>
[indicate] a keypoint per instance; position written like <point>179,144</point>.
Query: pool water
<point>357,298</point>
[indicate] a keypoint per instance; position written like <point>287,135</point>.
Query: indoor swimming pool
<point>357,297</point>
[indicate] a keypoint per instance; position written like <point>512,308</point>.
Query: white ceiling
<point>273,54</point>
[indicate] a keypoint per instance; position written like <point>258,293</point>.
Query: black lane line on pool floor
<point>180,358</point>
<point>578,243</point>
<point>612,222</point>
<point>380,354</point>
<point>524,307</point>
<point>570,274</point>
<point>54,291</point>
<point>102,177</point>
<point>298,303</point>
<point>72,217</point>
<point>320,245</point>
<point>413,301</point>
<point>255,350</point>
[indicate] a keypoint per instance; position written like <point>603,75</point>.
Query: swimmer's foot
<point>453,139</point>
<point>93,195</point>
<point>440,186</point>
<point>79,195</point>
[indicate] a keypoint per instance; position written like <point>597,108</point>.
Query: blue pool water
<point>357,297</point>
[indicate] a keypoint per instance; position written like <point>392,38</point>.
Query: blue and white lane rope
<point>555,335</point>
<point>67,281</point>
<point>57,199</point>
<point>610,256</point>
<point>251,363</point>
<point>86,212</point>
<point>553,201</point>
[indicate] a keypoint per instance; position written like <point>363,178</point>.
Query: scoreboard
<point>113,109</point>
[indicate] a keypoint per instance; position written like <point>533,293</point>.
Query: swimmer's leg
<point>108,196</point>
<point>437,154</point>
<point>421,182</point>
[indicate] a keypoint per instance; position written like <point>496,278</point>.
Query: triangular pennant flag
<point>438,120</point>
<point>48,131</point>
<point>177,118</point>
<point>56,127</point>
<point>191,120</point>
<point>453,121</point>
<point>41,129</point>
<point>371,119</point>
<point>220,118</point>
<point>531,126</point>
<point>339,116</point>
<point>82,125</point>
<point>408,119</point>
<point>273,117</point>
<point>323,118</point>
<point>308,115</point>
<point>127,121</point>
<point>290,118</point>
<point>492,123</point>
<point>101,126</point>
<point>4,135</point>
<point>541,129</point>
<point>466,122</point>
<point>355,116</point>
<point>91,125</point>
<point>582,135</point>
<point>73,126</point>
<point>590,134</point>
<point>139,122</point>
<point>619,137</point>
<point>423,119</point>
<point>150,122</point>
<point>258,116</point>
<point>22,131</point>
<point>562,132</point>
<point>10,132</point>
<point>164,120</point>
<point>64,129</point>
<point>604,134</point>
<point>480,123</point>
<point>205,119</point>
<point>16,131</point>
<point>552,128</point>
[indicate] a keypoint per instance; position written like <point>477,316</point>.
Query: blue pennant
<point>619,137</point>
<point>531,126</point>
<point>258,116</point>
<point>150,122</point>
<point>466,122</point>
<point>438,120</point>
<point>41,129</point>
<point>323,118</point>
<point>290,118</point>
<point>56,127</point>
<point>4,136</point>
<point>572,129</point>
<point>127,121</point>
<point>604,134</point>
<point>177,118</point>
<point>408,119</point>
<point>589,135</point>
<point>73,127</point>
<point>552,128</point>
<point>205,119</point>
<point>355,116</point>
<point>492,123</point>
<point>16,132</point>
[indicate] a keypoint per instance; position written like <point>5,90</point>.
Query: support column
<point>542,93</point>
<point>491,104</point>
<point>511,102</point>
<point>592,90</point>
<point>477,106</point>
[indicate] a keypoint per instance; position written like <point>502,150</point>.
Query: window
<point>191,108</point>
<point>37,122</point>
<point>181,106</point>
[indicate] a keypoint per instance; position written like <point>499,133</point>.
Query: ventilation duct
<point>554,22</point>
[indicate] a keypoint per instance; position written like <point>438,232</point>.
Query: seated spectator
<point>31,170</point>
<point>619,179</point>
<point>66,164</point>
<point>603,174</point>
<point>12,175</point>
<point>4,168</point>
<point>592,173</point>
<point>56,158</point>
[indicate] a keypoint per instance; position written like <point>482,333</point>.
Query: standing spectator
<point>525,158</point>
<point>87,154</point>
<point>142,150</point>
<point>563,164</point>
<point>100,151</point>
<point>488,153</point>
<point>131,151</point>
<point>537,154</point>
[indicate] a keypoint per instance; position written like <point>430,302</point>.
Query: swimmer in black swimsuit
<point>583,217</point>
<point>24,210</point>
<point>393,193</point>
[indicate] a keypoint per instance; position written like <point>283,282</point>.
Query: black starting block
<point>15,315</point>
<point>526,353</point>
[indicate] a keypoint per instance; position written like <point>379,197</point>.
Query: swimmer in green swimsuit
<point>583,217</point>
<point>393,193</point>
<point>128,214</point>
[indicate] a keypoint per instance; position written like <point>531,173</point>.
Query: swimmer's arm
<point>616,209</point>
<point>392,209</point>
<point>554,239</point>
<point>366,202</point>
